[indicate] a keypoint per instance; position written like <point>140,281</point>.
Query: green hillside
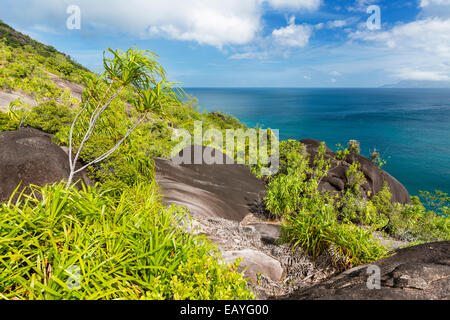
<point>16,39</point>
<point>149,260</point>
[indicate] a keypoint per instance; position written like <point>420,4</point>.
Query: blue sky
<point>254,43</point>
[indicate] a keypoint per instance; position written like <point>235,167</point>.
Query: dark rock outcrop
<point>336,180</point>
<point>29,157</point>
<point>419,272</point>
<point>218,190</point>
<point>231,191</point>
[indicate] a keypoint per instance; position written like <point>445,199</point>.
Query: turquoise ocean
<point>409,127</point>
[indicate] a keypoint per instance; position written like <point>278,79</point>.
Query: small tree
<point>133,69</point>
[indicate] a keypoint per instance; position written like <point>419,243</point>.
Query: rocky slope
<point>416,273</point>
<point>225,204</point>
<point>227,216</point>
<point>8,96</point>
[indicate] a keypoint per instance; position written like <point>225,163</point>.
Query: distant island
<point>419,84</point>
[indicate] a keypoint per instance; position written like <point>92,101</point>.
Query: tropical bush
<point>344,224</point>
<point>64,243</point>
<point>6,123</point>
<point>49,116</point>
<point>438,201</point>
<point>115,240</point>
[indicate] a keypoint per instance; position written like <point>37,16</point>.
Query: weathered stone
<point>255,263</point>
<point>269,233</point>
<point>218,190</point>
<point>419,272</point>
<point>29,157</point>
<point>336,180</point>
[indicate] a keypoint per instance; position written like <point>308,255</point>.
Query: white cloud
<point>293,35</point>
<point>361,5</point>
<point>426,3</point>
<point>279,43</point>
<point>420,48</point>
<point>434,8</point>
<point>430,35</point>
<point>294,4</point>
<point>335,73</point>
<point>252,55</point>
<point>319,26</point>
<point>217,25</point>
<point>336,24</point>
<point>212,22</point>
<point>409,74</point>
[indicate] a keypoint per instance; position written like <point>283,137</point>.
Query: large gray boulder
<point>29,157</point>
<point>255,263</point>
<point>419,272</point>
<point>336,180</point>
<point>225,191</point>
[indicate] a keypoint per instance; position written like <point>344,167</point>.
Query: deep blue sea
<point>409,127</point>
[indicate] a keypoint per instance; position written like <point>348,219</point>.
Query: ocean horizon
<point>408,127</point>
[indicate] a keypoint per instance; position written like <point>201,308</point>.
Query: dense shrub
<point>343,224</point>
<point>117,236</point>
<point>50,117</point>
<point>128,247</point>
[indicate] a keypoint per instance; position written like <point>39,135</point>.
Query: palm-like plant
<point>134,69</point>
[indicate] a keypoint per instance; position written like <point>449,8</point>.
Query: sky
<point>253,43</point>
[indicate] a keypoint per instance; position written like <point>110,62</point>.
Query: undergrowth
<point>114,240</point>
<point>59,243</point>
<point>343,224</point>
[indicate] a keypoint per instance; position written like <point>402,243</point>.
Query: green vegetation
<point>134,70</point>
<point>117,236</point>
<point>342,224</point>
<point>437,201</point>
<point>44,54</point>
<point>22,70</point>
<point>6,123</point>
<point>27,66</point>
<point>126,247</point>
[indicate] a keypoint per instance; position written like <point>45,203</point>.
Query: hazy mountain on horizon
<point>419,84</point>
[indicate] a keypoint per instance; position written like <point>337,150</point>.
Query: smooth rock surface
<point>75,88</point>
<point>6,97</point>
<point>29,157</point>
<point>269,233</point>
<point>255,262</point>
<point>419,272</point>
<point>218,190</point>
